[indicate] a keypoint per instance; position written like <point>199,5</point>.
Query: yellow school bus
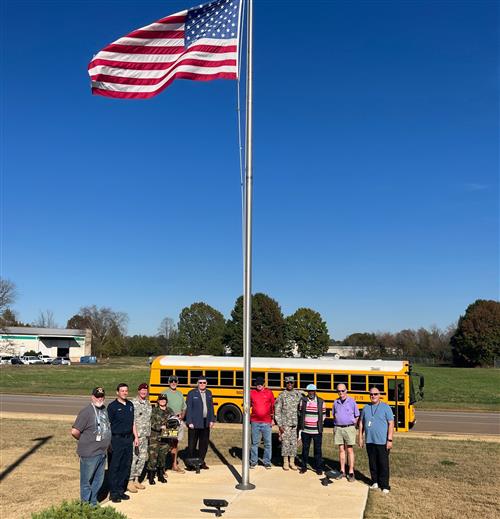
<point>393,378</point>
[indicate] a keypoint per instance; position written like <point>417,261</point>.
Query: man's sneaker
<point>124,497</point>
<point>374,486</point>
<point>341,475</point>
<point>303,470</point>
<point>116,499</point>
<point>351,478</point>
<point>385,491</point>
<point>268,467</point>
<point>252,466</point>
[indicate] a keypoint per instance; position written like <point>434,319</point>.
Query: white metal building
<point>54,342</point>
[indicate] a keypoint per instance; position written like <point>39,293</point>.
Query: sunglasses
<point>341,390</point>
<point>374,394</point>
<point>201,382</point>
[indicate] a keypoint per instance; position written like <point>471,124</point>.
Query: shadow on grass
<point>40,442</point>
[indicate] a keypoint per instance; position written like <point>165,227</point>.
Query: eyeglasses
<point>341,390</point>
<point>374,394</point>
<point>201,382</point>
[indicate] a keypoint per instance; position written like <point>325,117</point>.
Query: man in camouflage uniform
<point>142,425</point>
<point>286,418</point>
<point>158,446</point>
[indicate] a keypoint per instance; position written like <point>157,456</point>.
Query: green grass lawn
<point>445,388</point>
<point>460,388</point>
<point>76,379</point>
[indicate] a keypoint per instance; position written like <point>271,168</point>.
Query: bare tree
<point>45,319</point>
<point>168,332</point>
<point>108,327</point>
<point>8,293</point>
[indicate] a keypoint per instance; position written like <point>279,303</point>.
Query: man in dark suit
<point>200,418</point>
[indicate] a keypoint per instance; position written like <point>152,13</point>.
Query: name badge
<point>98,437</point>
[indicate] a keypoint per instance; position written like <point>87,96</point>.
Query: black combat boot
<point>151,477</point>
<point>161,477</point>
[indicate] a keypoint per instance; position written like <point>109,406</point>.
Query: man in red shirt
<point>261,421</point>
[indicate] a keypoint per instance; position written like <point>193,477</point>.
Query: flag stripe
<point>185,45</point>
<point>146,95</point>
<point>142,80</point>
<point>146,70</point>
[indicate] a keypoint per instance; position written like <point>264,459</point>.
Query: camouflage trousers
<point>139,458</point>
<point>158,451</point>
<point>289,441</point>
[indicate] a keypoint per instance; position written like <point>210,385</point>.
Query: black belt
<point>123,435</point>
<point>349,425</point>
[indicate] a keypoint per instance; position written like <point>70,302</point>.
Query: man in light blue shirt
<point>377,423</point>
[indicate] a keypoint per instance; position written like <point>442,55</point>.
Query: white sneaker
<point>374,486</point>
<point>385,491</point>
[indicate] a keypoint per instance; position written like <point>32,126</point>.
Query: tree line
<point>202,329</point>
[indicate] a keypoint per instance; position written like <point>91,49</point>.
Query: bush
<point>78,510</point>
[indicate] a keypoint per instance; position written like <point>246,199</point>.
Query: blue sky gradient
<point>376,154</point>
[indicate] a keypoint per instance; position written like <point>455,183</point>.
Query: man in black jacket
<point>312,412</point>
<point>200,418</point>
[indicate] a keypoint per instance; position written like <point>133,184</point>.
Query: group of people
<point>133,436</point>
<point>300,419</point>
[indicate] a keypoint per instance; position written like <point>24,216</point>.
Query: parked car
<point>5,359</point>
<point>16,360</point>
<point>46,359</point>
<point>31,359</point>
<point>61,361</point>
<point>88,359</point>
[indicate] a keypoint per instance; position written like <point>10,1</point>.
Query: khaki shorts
<point>345,435</point>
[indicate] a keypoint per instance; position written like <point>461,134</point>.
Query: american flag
<point>199,43</point>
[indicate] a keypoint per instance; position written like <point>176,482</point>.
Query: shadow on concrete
<point>225,462</point>
<point>40,442</point>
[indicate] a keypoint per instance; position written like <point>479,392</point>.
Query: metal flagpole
<point>247,293</point>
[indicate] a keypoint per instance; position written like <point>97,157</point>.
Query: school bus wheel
<point>229,413</point>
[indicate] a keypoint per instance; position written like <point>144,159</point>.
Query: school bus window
<point>358,382</point>
<point>305,379</point>
<point>376,381</point>
<point>212,377</point>
<point>182,375</point>
<point>239,378</point>
<point>273,379</point>
<point>339,378</point>
<point>294,375</point>
<point>324,381</point>
<point>164,374</point>
<point>193,376</point>
<point>227,378</point>
<point>256,374</point>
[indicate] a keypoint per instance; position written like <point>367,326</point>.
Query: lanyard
<point>374,413</point>
<point>98,423</point>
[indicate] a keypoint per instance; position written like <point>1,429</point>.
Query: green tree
<point>307,330</point>
<point>201,331</point>
<point>268,328</point>
<point>476,341</point>
<point>142,346</point>
<point>361,339</point>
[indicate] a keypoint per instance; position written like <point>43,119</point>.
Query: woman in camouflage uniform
<point>286,418</point>
<point>158,446</point>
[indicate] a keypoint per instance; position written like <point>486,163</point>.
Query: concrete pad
<point>288,494</point>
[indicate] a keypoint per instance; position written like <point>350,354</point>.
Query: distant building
<point>55,342</point>
<point>346,352</point>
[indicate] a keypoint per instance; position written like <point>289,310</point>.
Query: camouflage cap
<point>289,379</point>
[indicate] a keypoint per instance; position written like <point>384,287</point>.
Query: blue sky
<point>376,154</point>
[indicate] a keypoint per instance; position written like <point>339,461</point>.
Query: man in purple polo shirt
<point>345,421</point>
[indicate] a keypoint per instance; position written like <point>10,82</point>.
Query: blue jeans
<point>91,477</point>
<point>261,430</point>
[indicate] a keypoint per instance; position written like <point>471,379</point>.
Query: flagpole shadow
<point>41,441</point>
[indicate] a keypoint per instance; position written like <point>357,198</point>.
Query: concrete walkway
<point>277,493</point>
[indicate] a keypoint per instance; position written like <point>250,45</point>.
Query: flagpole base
<point>245,486</point>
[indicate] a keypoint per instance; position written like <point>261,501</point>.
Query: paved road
<point>427,421</point>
